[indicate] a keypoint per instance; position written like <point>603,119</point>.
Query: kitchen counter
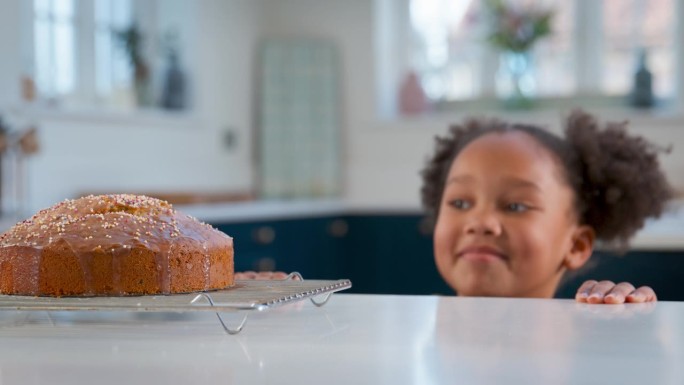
<point>369,339</point>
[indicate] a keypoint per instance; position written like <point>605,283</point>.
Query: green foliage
<point>131,39</point>
<point>517,29</point>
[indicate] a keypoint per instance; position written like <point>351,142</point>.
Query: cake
<point>113,245</point>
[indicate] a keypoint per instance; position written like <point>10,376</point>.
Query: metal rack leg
<point>228,330</point>
<point>296,276</point>
<point>322,302</point>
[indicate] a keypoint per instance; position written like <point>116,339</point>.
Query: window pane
<point>555,54</point>
<point>64,51</point>
<point>448,50</point>
<point>451,48</point>
<point>63,9</point>
<point>113,12</point>
<point>103,61</point>
<point>103,11</point>
<point>112,67</point>
<point>54,47</point>
<point>43,57</point>
<point>630,26</point>
<point>122,13</point>
<point>42,7</point>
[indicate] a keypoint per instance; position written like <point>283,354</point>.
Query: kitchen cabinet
<point>379,253</point>
<point>308,245</point>
<point>391,254</point>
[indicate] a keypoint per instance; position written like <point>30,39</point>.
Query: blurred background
<point>300,126</point>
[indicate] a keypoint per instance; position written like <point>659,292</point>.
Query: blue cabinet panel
<point>389,254</point>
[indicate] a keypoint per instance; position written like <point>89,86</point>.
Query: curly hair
<point>616,177</point>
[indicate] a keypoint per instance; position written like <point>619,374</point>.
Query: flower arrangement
<point>131,39</point>
<point>517,28</point>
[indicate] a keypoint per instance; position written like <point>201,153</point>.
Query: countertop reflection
<point>354,339</point>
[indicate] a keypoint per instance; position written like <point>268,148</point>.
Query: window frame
<point>85,93</point>
<point>588,21</point>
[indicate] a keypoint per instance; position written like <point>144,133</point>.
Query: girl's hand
<point>609,292</point>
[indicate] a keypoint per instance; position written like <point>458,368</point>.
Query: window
<point>593,49</point>
<point>55,46</point>
<point>112,69</point>
<point>76,56</point>
<point>630,25</point>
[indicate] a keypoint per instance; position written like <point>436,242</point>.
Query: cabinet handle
<point>338,228</point>
<point>265,264</point>
<point>264,235</point>
<point>425,227</point>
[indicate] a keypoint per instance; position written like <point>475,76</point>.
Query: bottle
<point>173,95</point>
<point>642,94</point>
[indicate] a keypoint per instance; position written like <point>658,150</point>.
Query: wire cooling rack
<point>243,296</point>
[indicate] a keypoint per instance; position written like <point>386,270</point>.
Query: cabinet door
<point>309,246</point>
<point>380,254</point>
<point>255,244</point>
<point>391,254</point>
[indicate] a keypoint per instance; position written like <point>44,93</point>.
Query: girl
<point>514,207</point>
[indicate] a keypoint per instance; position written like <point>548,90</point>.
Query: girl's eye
<point>516,207</point>
<point>460,204</point>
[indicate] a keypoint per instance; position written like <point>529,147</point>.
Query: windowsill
<point>544,111</point>
<point>146,117</point>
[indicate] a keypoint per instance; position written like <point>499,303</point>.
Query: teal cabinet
<point>391,254</point>
<point>387,254</point>
<point>309,246</point>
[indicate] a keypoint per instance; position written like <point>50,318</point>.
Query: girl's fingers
<point>245,275</point>
<point>599,291</point>
<point>279,275</point>
<point>642,294</point>
<point>608,292</point>
<point>584,291</point>
<point>261,276</point>
<point>619,293</point>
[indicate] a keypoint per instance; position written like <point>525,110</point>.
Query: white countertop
<point>355,339</point>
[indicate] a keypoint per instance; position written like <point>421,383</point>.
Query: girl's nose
<point>483,222</point>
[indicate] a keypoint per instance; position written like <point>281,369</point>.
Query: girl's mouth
<point>481,254</point>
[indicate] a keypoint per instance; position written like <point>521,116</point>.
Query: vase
<point>142,93</point>
<point>515,81</point>
<point>141,84</point>
<point>642,94</point>
<point>173,94</point>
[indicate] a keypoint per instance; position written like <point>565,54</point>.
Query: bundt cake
<point>113,245</point>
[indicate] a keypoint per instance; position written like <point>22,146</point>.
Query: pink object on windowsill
<point>412,99</point>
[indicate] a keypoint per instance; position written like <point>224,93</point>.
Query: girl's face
<point>506,224</point>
